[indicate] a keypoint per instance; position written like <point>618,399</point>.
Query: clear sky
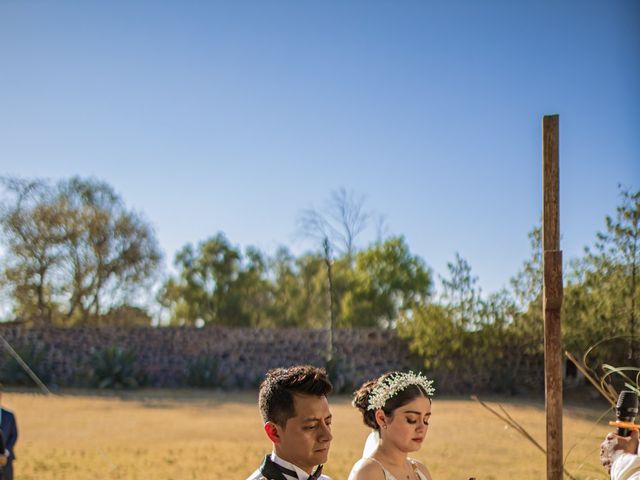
<point>233,116</point>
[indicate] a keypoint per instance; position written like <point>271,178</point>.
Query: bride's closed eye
<point>412,421</point>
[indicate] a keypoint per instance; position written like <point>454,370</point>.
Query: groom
<point>297,420</point>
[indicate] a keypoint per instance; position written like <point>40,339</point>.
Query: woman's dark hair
<point>361,399</point>
<point>275,398</point>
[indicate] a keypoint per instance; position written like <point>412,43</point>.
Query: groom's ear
<point>271,429</point>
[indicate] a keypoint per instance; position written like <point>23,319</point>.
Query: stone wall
<point>244,354</point>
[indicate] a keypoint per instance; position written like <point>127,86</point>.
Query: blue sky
<point>234,116</point>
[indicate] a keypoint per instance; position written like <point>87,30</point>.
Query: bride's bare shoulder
<point>367,469</point>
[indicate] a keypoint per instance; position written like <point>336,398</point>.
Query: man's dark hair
<point>275,399</point>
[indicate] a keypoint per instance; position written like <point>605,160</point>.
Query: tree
<point>469,342</point>
<point>528,325</point>
<point>338,226</point>
<point>433,335</point>
<point>299,290</point>
<point>31,222</point>
<point>618,246</point>
<point>216,286</point>
<point>592,312</point>
<point>341,221</point>
<point>445,334</point>
<point>288,292</point>
<point>113,251</point>
<point>386,283</point>
<point>527,283</point>
<point>74,252</point>
<point>461,294</point>
<point>256,291</point>
<point>603,291</point>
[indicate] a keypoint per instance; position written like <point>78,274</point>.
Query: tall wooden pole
<point>552,294</point>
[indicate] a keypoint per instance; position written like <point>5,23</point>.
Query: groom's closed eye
<point>315,423</point>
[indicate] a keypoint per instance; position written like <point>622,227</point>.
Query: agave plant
<point>115,367</point>
<point>12,373</point>
<point>205,372</point>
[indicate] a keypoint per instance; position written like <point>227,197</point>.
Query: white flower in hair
<point>394,384</point>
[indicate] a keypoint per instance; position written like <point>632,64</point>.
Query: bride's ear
<point>381,419</point>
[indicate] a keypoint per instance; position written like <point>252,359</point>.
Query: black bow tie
<point>314,476</point>
<point>268,466</point>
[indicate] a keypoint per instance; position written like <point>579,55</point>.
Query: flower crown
<point>394,384</point>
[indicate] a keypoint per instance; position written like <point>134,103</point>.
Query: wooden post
<point>552,295</point>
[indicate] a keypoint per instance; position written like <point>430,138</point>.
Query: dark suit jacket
<point>9,431</point>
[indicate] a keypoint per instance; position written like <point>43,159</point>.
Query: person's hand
<point>3,460</point>
<point>614,443</point>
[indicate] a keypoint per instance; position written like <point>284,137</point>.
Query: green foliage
<point>115,367</point>
<point>112,250</point>
<point>73,252</point>
<point>470,342</point>
<point>603,292</point>
<point>526,284</point>
<point>479,342</point>
<point>125,316</point>
<point>31,222</point>
<point>205,372</point>
<point>447,335</point>
<point>461,294</point>
<point>386,282</point>
<point>12,373</point>
<point>300,291</point>
<point>217,285</point>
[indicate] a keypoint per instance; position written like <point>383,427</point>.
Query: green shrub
<point>205,372</point>
<point>343,375</point>
<point>115,367</point>
<point>12,373</point>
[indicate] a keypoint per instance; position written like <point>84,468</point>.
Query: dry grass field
<point>202,435</point>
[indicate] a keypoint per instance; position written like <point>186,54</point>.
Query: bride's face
<point>408,425</point>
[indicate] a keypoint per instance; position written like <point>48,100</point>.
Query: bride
<point>397,406</point>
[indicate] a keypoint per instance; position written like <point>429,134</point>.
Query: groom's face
<point>306,437</point>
